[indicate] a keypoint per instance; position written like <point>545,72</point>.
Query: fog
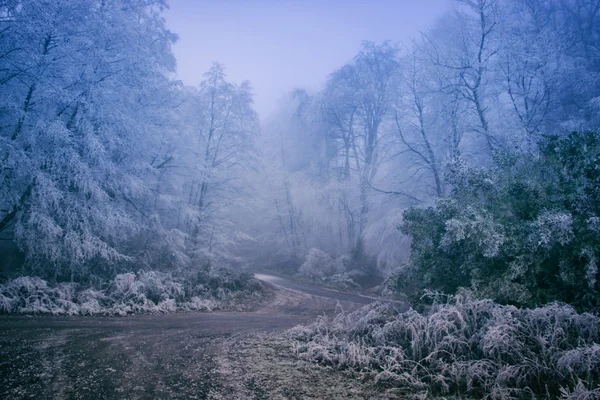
<point>303,137</point>
<point>404,195</point>
<point>299,137</point>
<point>282,45</point>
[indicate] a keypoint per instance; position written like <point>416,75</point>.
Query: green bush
<point>526,231</point>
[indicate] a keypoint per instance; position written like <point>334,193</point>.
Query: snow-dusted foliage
<point>383,240</point>
<point>107,163</point>
<point>340,273</point>
<point>33,295</point>
<point>523,232</point>
<point>129,293</point>
<point>79,111</point>
<point>464,347</point>
<point>319,265</point>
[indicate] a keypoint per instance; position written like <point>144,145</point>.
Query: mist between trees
<point>110,165</point>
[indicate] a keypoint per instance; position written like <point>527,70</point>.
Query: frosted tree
<point>225,127</point>
<point>465,46</point>
<point>81,82</point>
<point>339,110</point>
<point>416,116</point>
<point>368,85</point>
<point>532,61</point>
<point>578,22</point>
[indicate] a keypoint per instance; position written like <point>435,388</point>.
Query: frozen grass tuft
<point>464,347</point>
<point>129,293</point>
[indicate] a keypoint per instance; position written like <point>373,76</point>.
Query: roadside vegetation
<point>463,347</point>
<point>523,232</point>
<point>207,289</point>
<point>503,273</point>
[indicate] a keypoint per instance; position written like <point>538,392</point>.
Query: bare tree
<point>367,85</point>
<point>467,54</point>
<point>226,128</point>
<point>413,113</point>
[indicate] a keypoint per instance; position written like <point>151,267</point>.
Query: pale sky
<point>279,45</point>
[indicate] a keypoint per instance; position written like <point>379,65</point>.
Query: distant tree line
<point>108,164</point>
<point>487,83</point>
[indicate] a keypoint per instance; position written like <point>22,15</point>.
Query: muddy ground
<point>222,355</point>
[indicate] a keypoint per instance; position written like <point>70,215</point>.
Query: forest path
<point>183,355</point>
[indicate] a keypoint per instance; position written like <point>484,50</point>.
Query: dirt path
<point>219,355</point>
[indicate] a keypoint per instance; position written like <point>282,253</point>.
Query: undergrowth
<point>132,293</point>
<point>463,347</point>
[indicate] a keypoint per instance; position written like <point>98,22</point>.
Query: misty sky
<point>282,44</point>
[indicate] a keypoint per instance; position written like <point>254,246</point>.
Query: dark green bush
<point>525,232</point>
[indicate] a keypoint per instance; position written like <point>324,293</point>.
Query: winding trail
<point>147,356</point>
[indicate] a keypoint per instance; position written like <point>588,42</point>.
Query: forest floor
<point>222,355</point>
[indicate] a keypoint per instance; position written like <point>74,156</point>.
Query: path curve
<point>145,356</point>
